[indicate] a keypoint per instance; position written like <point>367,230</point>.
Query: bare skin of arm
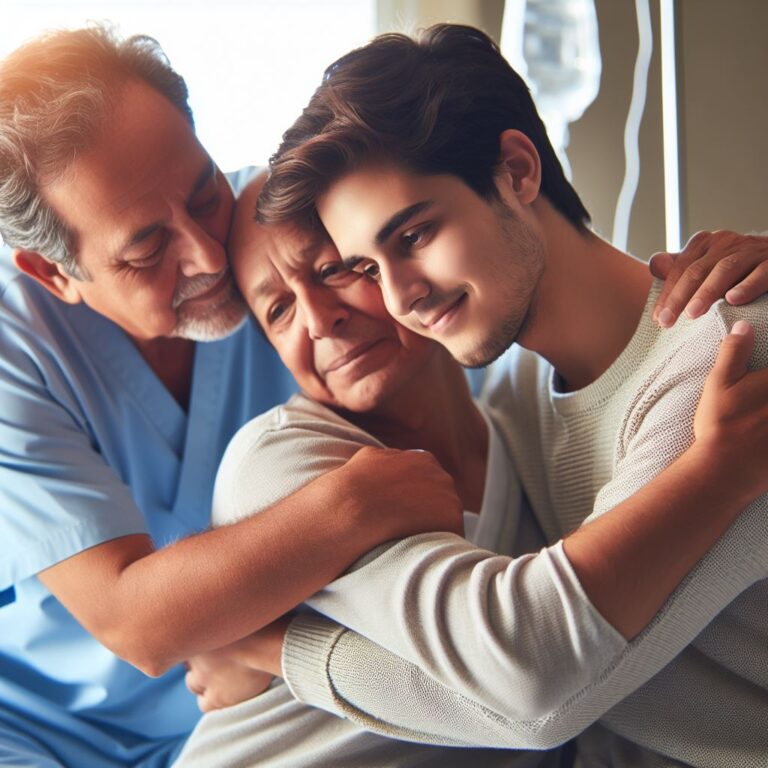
<point>156,608</point>
<point>632,558</point>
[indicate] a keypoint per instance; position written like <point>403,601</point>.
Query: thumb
<point>733,356</point>
<point>660,264</point>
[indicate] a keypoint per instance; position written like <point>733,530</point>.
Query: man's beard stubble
<point>211,320</point>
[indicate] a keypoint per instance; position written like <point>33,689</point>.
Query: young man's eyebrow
<point>400,218</point>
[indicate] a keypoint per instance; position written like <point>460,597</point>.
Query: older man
<point>431,170</point>
<point>367,380</point>
<point>114,418</point>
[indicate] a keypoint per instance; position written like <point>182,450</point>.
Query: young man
<point>366,380</point>
<point>114,419</point>
<point>427,164</point>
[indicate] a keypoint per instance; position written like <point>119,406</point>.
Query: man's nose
<point>324,315</point>
<point>200,252</point>
<point>402,288</point>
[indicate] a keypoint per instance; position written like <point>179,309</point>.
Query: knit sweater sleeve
<point>507,652</point>
<point>469,646</point>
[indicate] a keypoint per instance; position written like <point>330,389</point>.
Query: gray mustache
<point>190,287</point>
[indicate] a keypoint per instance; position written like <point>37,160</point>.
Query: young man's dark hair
<point>436,104</point>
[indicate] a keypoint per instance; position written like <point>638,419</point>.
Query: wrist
<point>263,649</point>
<point>725,472</point>
<point>360,525</point>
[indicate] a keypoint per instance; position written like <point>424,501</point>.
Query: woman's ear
<point>49,274</point>
<point>519,166</point>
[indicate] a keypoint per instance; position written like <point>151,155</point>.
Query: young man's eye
<point>372,271</point>
<point>413,238</point>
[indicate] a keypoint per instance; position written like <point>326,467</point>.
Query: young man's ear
<point>49,274</point>
<point>519,166</point>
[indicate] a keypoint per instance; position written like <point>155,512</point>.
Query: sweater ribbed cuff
<point>307,648</point>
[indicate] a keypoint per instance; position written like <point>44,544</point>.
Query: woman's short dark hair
<point>433,104</point>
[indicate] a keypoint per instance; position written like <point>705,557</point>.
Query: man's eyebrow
<point>206,175</point>
<point>400,218</point>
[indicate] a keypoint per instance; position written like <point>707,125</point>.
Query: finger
<point>690,268</point>
<point>678,289</point>
<point>751,287</point>
<point>733,355</point>
<point>697,247</point>
<point>741,275</point>
<point>725,273</point>
<point>661,263</point>
<point>670,267</point>
<point>193,683</point>
<point>670,279</point>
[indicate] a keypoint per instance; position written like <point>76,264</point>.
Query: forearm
<point>484,625</point>
<point>156,608</point>
<point>330,667</point>
<point>631,559</point>
<point>515,638</point>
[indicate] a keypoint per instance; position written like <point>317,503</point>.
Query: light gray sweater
<point>475,657</point>
<point>270,457</point>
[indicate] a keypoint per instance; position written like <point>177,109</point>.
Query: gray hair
<point>55,94</point>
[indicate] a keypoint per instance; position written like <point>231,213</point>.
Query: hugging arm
<point>157,607</point>
<point>512,652</point>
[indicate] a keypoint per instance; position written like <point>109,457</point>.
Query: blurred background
<point>658,106</point>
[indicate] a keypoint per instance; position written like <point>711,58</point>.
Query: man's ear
<point>49,274</point>
<point>519,166</point>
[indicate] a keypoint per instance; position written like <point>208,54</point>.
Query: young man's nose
<point>402,288</point>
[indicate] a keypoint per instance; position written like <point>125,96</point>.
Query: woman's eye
<point>330,271</point>
<point>276,311</point>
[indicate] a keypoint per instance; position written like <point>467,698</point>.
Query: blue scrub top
<point>92,447</point>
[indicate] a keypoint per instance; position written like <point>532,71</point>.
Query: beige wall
<point>722,79</point>
<point>596,148</point>
<point>409,15</point>
<point>723,112</point>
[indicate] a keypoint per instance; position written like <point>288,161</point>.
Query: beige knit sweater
<point>477,652</point>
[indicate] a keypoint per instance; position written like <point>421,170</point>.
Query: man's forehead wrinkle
<point>128,198</point>
<point>268,285</point>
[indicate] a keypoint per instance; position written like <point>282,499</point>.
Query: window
<point>251,65</point>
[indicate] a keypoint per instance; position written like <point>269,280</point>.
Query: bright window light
<point>251,65</point>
